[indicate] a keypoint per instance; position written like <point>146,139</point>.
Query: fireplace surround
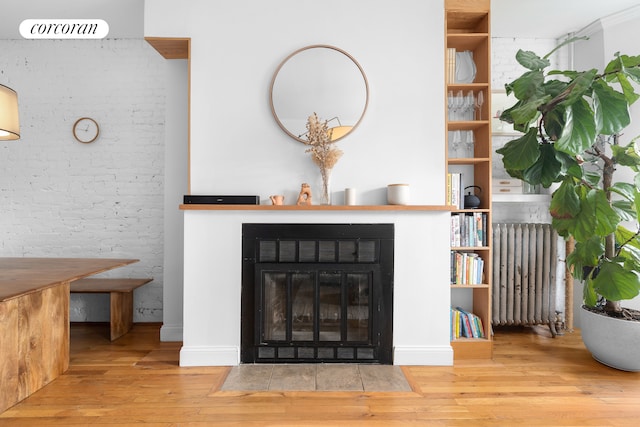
<point>213,277</point>
<point>317,293</point>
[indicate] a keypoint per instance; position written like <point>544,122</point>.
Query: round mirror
<point>319,79</point>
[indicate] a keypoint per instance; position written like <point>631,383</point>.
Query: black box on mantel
<point>221,200</point>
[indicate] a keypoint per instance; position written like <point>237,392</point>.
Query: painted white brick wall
<point>504,69</point>
<point>62,198</point>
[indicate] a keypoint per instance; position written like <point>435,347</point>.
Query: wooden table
<point>34,320</point>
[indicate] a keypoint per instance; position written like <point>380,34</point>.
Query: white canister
<point>398,194</point>
<point>350,196</point>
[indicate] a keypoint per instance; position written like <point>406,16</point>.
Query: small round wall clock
<point>86,130</point>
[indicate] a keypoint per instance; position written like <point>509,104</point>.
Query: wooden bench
<point>121,304</point>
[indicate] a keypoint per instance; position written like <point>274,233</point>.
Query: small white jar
<point>398,194</point>
<point>350,196</point>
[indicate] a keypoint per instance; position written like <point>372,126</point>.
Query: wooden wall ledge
<point>422,208</point>
<point>171,47</point>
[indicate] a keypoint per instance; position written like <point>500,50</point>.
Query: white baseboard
<point>423,355</point>
<point>209,356</point>
<point>171,333</point>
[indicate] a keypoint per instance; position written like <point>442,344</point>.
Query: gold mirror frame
<point>342,130</point>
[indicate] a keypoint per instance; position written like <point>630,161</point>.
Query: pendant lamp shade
<point>9,121</point>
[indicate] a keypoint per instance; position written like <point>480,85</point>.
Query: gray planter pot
<point>613,342</point>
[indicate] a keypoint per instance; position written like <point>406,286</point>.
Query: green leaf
<point>621,63</point>
<point>629,244</point>
<point>586,254</point>
<point>515,174</point>
<point>610,108</point>
<point>546,169</point>
<point>554,87</point>
<point>531,61</point>
<point>630,61</point>
<point>578,87</point>
<point>596,216</point>
<point>589,294</point>
<point>579,132</point>
<point>553,123</point>
<point>527,112</point>
<point>624,209</point>
<point>627,88</point>
<point>527,85</point>
<point>520,153</point>
<point>592,178</point>
<point>627,208</point>
<point>626,190</point>
<point>567,73</point>
<point>626,155</point>
<point>627,237</point>
<point>570,165</point>
<point>615,283</point>
<point>620,70</point>
<point>565,203</point>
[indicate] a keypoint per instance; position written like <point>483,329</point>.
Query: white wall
<point>176,185</point>
<point>62,198</point>
<point>237,147</point>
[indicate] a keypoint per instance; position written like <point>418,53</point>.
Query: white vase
<point>612,342</point>
<point>398,194</point>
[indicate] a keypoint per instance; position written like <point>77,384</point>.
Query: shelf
<point>198,207</point>
<point>469,286</point>
<point>468,28</point>
<point>456,210</point>
<point>468,160</point>
<point>467,41</point>
<point>520,198</point>
<point>470,248</point>
<point>467,125</point>
<point>467,86</point>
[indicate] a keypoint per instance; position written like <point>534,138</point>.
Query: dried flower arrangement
<point>323,152</point>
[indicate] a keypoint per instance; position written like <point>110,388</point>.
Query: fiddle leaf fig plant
<point>572,124</point>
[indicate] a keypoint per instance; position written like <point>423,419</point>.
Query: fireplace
<point>317,293</point>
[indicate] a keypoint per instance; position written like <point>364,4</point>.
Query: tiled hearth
<point>316,377</point>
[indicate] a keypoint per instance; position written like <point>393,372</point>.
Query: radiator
<point>525,258</point>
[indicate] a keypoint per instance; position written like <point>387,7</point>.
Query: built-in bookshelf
<point>468,148</point>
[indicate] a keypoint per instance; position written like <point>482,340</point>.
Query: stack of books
<point>467,268</point>
<point>465,325</point>
<point>468,229</point>
<point>454,190</point>
<point>451,65</point>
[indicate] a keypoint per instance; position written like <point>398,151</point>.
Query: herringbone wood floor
<point>533,380</point>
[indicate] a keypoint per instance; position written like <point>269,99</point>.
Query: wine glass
<point>469,141</point>
<point>469,105</point>
<point>456,142</point>
<point>451,105</point>
<point>478,104</point>
<point>459,105</point>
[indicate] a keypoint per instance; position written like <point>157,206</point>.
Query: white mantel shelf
<point>199,207</point>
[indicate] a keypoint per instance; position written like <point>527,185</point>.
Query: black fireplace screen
<point>317,292</point>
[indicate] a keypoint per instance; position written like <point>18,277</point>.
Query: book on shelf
<point>467,268</point>
<point>454,190</point>
<point>465,324</point>
<point>451,65</point>
<point>468,229</point>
